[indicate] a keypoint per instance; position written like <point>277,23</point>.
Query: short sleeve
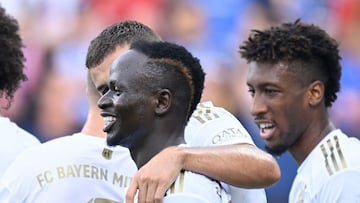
<point>214,126</point>
<point>342,187</point>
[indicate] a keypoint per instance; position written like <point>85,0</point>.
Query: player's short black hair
<point>117,34</point>
<point>305,47</point>
<point>183,72</point>
<point>11,57</point>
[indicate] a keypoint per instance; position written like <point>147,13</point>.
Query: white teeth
<point>109,119</point>
<point>265,125</point>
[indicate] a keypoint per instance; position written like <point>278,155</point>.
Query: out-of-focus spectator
<point>56,33</point>
<point>13,138</point>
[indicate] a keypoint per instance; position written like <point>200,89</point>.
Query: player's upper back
<point>13,141</point>
<point>77,168</point>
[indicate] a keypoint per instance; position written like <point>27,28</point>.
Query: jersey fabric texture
<point>214,126</point>
<point>330,173</point>
<point>13,141</point>
<point>77,168</point>
<point>195,188</point>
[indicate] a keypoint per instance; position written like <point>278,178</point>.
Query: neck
<point>156,141</point>
<point>310,140</point>
<point>94,124</point>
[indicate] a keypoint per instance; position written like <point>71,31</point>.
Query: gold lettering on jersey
<point>342,159</point>
<point>82,171</point>
<point>107,153</point>
<point>332,155</point>
<point>45,177</point>
<point>228,134</point>
<point>121,180</point>
<point>326,159</point>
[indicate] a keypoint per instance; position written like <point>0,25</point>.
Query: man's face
<point>126,105</point>
<point>100,73</point>
<point>278,104</point>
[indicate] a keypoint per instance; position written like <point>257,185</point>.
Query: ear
<point>163,101</point>
<point>316,92</point>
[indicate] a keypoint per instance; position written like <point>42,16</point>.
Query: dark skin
<point>138,114</point>
<point>291,114</point>
<point>258,168</point>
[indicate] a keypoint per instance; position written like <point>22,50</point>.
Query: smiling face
<point>279,104</point>
<point>126,105</point>
<point>100,73</point>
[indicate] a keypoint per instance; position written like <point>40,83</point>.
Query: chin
<point>110,141</point>
<point>119,141</point>
<point>276,150</point>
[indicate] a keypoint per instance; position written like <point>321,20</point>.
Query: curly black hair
<point>11,57</point>
<point>180,67</point>
<point>310,47</point>
<point>115,35</point>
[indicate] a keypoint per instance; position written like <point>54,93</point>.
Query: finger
<point>150,194</point>
<point>142,193</point>
<point>159,194</point>
<point>131,192</point>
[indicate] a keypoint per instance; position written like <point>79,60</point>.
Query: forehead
<point>129,62</point>
<point>100,73</point>
<point>269,72</point>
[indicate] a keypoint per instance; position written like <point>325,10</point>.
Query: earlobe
<point>163,101</point>
<point>316,91</point>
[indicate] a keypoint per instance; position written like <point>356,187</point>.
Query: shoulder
<point>341,187</point>
<point>339,152</point>
<point>13,133</point>
<point>210,126</point>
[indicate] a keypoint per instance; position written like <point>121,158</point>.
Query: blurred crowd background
<point>52,102</point>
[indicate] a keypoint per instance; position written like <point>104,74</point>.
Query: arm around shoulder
<point>240,165</point>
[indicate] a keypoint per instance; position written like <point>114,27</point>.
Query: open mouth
<point>109,122</point>
<point>266,130</point>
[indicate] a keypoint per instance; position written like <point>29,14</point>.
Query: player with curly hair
<point>294,76</point>
<point>13,138</point>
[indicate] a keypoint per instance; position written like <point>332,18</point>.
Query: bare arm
<point>241,165</point>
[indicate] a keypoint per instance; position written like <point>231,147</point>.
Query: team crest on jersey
<point>107,153</point>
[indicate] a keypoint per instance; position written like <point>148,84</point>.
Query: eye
<point>251,92</point>
<point>117,91</point>
<point>104,90</point>
<point>269,91</point>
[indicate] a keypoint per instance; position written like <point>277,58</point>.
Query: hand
<point>154,178</point>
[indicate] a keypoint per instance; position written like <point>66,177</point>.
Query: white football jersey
<point>77,168</point>
<point>212,126</point>
<point>330,173</point>
<point>13,141</point>
<point>191,187</point>
<point>215,126</point>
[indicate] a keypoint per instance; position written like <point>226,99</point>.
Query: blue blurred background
<point>52,102</point>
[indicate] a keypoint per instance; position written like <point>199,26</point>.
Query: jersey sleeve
<point>343,187</point>
<point>214,126</point>
<point>191,187</point>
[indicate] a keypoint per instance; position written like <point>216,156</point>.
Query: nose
<point>104,101</point>
<point>258,105</point>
